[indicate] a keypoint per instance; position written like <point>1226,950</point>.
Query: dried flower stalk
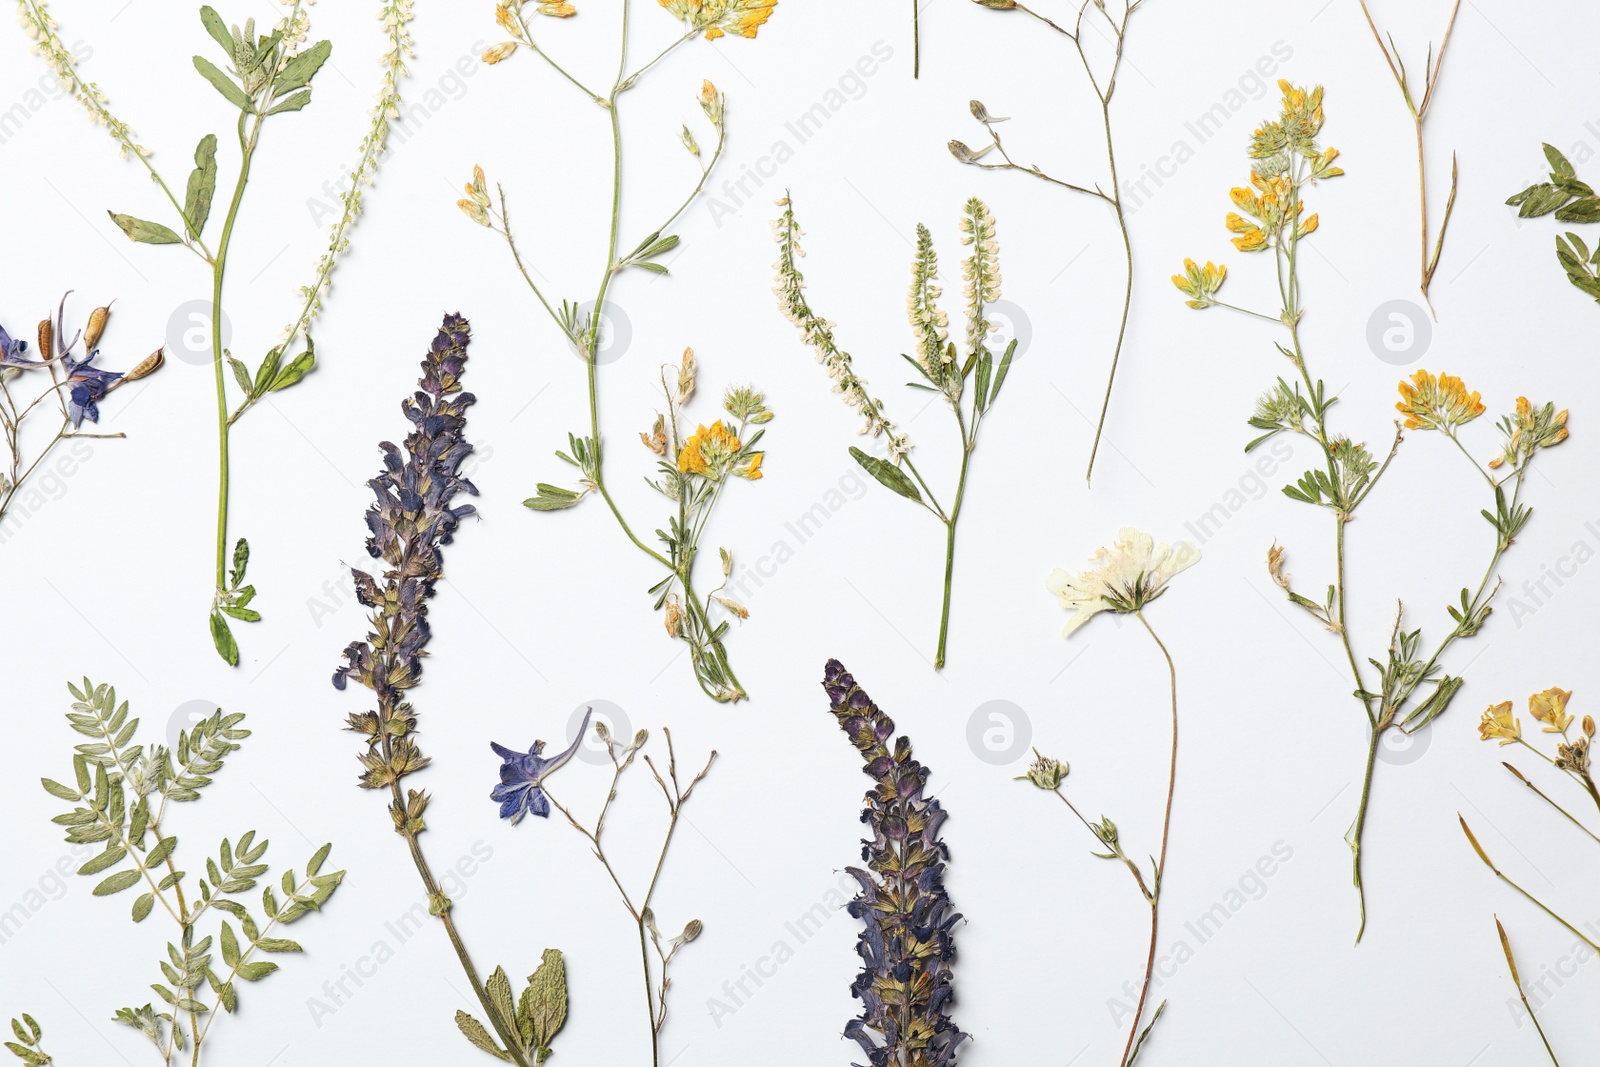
<point>1286,158</point>
<point>953,374</point>
<point>1103,91</point>
<point>906,944</point>
<point>687,615</point>
<point>263,76</point>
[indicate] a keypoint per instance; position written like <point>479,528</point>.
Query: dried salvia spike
<point>905,986</point>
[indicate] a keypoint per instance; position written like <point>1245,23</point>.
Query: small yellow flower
<point>1550,708</point>
<point>1200,284</point>
<point>1309,226</point>
<point>708,450</point>
<point>500,52</point>
<point>1498,722</point>
<point>735,608</point>
<point>742,18</point>
<point>752,470</point>
<point>1441,403</point>
<point>557,9</point>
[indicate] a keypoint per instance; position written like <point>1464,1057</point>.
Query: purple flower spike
<point>522,774</point>
<point>906,945</point>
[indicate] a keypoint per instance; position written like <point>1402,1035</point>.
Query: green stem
<point>916,40</point>
<point>950,550</point>
<point>219,266</point>
<point>1360,824</point>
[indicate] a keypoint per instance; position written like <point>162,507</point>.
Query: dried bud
<point>649,919</point>
<point>656,439</point>
<point>981,113</point>
<point>734,607</point>
<point>638,741</point>
<point>690,932</point>
<point>147,366</point>
<point>727,561</point>
<point>689,142</point>
<point>673,619</point>
<point>686,376</point>
<point>1588,726</point>
<point>96,327</point>
<point>1046,773</point>
<point>474,211</point>
<point>499,53</point>
<point>1275,566</point>
<point>711,102</point>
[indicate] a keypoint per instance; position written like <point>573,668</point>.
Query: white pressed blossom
<point>818,333</point>
<point>1125,577</point>
<point>928,322</point>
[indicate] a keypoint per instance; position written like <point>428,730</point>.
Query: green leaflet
<point>887,474</point>
<point>202,185</point>
<point>223,84</point>
<point>143,231</point>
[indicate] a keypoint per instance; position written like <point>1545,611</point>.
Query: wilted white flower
<point>1125,578</point>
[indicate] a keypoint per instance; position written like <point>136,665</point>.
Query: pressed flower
<point>742,18</point>
<point>1499,723</point>
<point>14,353</point>
<point>1441,403</point>
<point>1126,577</point>
<point>523,773</point>
<point>1200,284</point>
<point>1550,708</point>
<point>907,945</point>
<point>499,53</point>
<point>1046,773</point>
<point>751,471</point>
<point>708,451</point>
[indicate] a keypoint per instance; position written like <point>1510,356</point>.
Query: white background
<point>111,576</point>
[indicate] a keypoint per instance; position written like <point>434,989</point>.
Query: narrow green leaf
<point>224,85</point>
<point>888,474</point>
<point>117,883</point>
<point>142,906</point>
<point>217,29</point>
<point>301,69</point>
<point>293,103</point>
<point>143,231</point>
<point>202,185</point>
<point>222,638</point>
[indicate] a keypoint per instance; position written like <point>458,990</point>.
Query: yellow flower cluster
<point>1499,723</point>
<point>1530,430</point>
<point>1268,204</point>
<point>1441,403</point>
<point>1200,284</point>
<point>476,204</point>
<point>710,451</point>
<point>742,18</point>
<point>1548,707</point>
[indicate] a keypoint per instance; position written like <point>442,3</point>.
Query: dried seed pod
<point>96,327</point>
<point>147,366</point>
<point>46,337</point>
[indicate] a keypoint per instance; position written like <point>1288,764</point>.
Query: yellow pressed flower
<point>500,52</point>
<point>1440,403</point>
<point>557,9</point>
<point>1498,722</point>
<point>1309,226</point>
<point>742,18</point>
<point>708,450</point>
<point>751,470</point>
<point>1252,239</point>
<point>1550,708</point>
<point>1200,284</point>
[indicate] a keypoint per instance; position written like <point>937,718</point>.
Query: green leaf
<point>56,789</point>
<point>544,1002</point>
<point>256,970</point>
<point>1000,375</point>
<point>293,103</point>
<point>202,184</point>
<point>887,473</point>
<point>142,906</point>
<point>113,855</point>
<point>474,1032</point>
<point>552,498</point>
<point>1584,209</point>
<point>298,368</point>
<point>145,233</point>
<point>241,373</point>
<point>224,85</point>
<point>278,944</point>
<point>222,638</point>
<point>243,614</point>
<point>301,69</point>
<point>117,883</point>
<point>314,866</point>
<point>266,372</point>
<point>230,945</point>
<point>499,989</point>
<point>1560,169</point>
<point>218,30</point>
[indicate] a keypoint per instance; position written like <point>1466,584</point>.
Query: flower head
<point>709,451</point>
<point>1200,284</point>
<point>742,18</point>
<point>1550,708</point>
<point>15,353</point>
<point>523,774</point>
<point>1125,578</point>
<point>1529,429</point>
<point>1498,722</point>
<point>89,385</point>
<point>1441,403</point>
<point>1044,772</point>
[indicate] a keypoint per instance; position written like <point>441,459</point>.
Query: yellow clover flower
<point>1498,722</point>
<point>742,18</point>
<point>708,450</point>
<point>1200,284</point>
<point>1550,708</point>
<point>1441,403</point>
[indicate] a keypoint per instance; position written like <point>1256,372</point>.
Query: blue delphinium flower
<point>15,353</point>
<point>522,774</point>
<point>89,384</point>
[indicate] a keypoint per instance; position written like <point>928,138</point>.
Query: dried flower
<point>1200,284</point>
<point>742,18</point>
<point>1441,403</point>
<point>708,451</point>
<point>1550,708</point>
<point>415,514</point>
<point>523,774</point>
<point>1499,723</point>
<point>905,986</point>
<point>1044,772</point>
<point>1126,577</point>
